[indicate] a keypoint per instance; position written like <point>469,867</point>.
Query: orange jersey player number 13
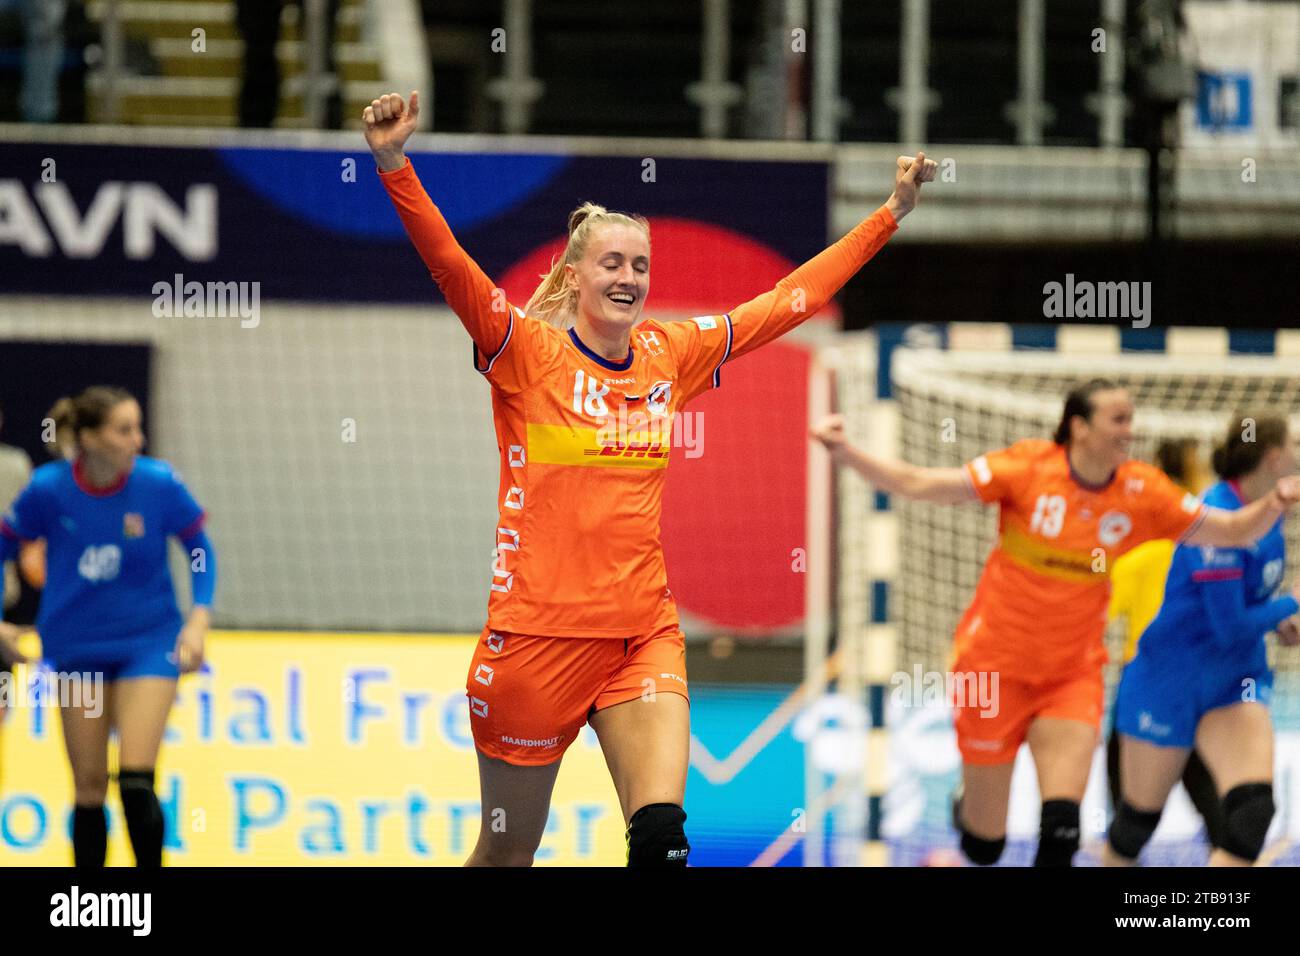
<point>1039,611</point>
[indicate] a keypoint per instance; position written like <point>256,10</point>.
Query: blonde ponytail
<point>553,301</point>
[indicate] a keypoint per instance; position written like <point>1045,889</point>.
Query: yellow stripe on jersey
<point>1076,566</point>
<point>606,448</point>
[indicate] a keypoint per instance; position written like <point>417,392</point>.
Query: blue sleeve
<point>184,519</point>
<point>1219,575</point>
<point>183,516</point>
<point>25,520</point>
<point>203,567</point>
<point>22,522</point>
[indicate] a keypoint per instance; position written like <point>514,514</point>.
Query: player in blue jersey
<point>108,612</point>
<point>1201,676</point>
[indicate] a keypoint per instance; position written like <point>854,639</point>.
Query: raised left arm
<point>809,287</point>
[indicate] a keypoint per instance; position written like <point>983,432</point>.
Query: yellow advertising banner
<point>294,749</point>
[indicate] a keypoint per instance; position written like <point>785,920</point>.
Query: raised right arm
<point>478,303</point>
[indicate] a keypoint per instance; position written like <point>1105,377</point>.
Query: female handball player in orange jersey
<point>580,622</point>
<point>1069,508</point>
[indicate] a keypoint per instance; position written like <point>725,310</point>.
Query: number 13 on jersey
<point>1049,515</point>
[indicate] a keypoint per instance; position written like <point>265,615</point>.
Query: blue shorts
<point>1162,697</point>
<point>151,654</point>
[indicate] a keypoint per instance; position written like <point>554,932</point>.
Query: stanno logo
<point>133,910</point>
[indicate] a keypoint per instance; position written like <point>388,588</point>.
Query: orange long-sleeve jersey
<point>1039,612</point>
<point>584,441</point>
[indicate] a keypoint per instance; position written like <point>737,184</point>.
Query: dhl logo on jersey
<point>604,447</point>
<point>630,450</point>
<point>1081,567</point>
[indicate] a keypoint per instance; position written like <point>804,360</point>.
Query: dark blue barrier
<point>307,224</point>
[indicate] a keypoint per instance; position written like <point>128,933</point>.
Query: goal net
<point>954,406</point>
<point>948,407</point>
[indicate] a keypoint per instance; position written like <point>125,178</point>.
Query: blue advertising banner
<point>315,224</point>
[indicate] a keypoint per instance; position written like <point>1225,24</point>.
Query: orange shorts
<point>990,730</point>
<point>530,696</point>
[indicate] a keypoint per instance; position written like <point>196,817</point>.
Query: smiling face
<point>1106,436</point>
<point>613,276</point>
<point>119,439</point>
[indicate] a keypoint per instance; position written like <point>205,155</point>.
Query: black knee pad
<point>144,816</point>
<point>655,837</point>
<point>1247,811</point>
<point>978,850</point>
<point>1199,784</point>
<point>1058,836</point>
<point>981,851</point>
<point>132,783</point>
<point>1131,829</point>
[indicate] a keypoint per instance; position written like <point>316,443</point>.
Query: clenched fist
<point>1288,490</point>
<point>909,173</point>
<point>389,123</point>
<point>830,432</point>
